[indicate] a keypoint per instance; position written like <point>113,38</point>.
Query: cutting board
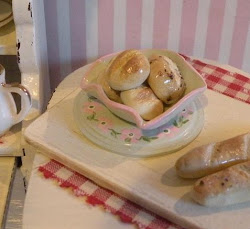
<point>150,182</point>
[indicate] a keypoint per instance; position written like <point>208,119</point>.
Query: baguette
<point>213,157</point>
<point>226,187</point>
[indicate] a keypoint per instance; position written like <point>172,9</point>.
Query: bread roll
<point>144,101</point>
<point>128,70</point>
<point>111,93</point>
<point>225,187</point>
<point>213,157</point>
<point>165,79</point>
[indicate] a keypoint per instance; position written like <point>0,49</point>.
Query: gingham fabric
<point>220,80</point>
<point>228,83</point>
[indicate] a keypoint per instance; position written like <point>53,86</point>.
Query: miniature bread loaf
<point>111,93</point>
<point>165,79</point>
<point>128,70</point>
<point>144,101</point>
<point>213,157</point>
<point>226,187</point>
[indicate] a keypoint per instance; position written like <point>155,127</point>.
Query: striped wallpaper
<point>79,31</point>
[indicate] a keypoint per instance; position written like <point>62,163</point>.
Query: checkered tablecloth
<point>218,79</point>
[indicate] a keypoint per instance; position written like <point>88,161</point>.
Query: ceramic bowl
<point>195,86</point>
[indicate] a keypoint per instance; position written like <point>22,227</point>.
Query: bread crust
<point>144,101</point>
<point>111,93</point>
<point>165,79</point>
<point>128,70</point>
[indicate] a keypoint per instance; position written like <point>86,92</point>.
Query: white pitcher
<point>8,110</point>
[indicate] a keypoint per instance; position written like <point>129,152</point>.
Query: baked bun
<point>128,70</point>
<point>165,79</point>
<point>144,101</point>
<point>111,93</point>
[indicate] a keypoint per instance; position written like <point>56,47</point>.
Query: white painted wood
<point>7,166</point>
<point>227,31</point>
<point>147,24</point>
<point>174,25</point>
<point>119,33</point>
<point>201,28</point>
<point>150,182</point>
<point>246,57</point>
<point>14,211</point>
<point>91,12</point>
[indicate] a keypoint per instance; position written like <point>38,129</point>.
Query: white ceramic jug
<point>8,110</point>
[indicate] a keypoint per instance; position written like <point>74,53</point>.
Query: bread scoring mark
<point>134,64</point>
<point>121,59</point>
<point>229,151</point>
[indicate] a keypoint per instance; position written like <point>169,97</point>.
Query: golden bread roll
<point>165,79</point>
<point>226,187</point>
<point>144,101</point>
<point>128,70</point>
<point>213,157</point>
<point>111,93</point>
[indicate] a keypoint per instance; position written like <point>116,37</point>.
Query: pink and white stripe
<point>242,23</point>
<point>79,31</point>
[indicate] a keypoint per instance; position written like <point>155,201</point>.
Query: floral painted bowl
<point>195,86</point>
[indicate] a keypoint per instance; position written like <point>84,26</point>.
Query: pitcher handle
<point>25,100</point>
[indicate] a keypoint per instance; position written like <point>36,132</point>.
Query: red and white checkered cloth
<point>228,83</point>
<point>225,82</point>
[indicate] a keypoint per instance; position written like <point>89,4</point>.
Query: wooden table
<point>47,205</point>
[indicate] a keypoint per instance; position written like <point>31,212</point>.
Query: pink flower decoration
<point>104,124</point>
<point>90,107</point>
<point>131,135</point>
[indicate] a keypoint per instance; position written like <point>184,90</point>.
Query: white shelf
<point>8,39</point>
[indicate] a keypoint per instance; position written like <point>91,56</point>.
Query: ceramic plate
<point>109,131</point>
<point>195,86</point>
<point>5,13</point>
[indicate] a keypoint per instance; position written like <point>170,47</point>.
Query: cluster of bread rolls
<point>141,83</point>
<point>225,170</point>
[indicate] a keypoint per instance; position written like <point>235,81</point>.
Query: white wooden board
<point>150,182</point>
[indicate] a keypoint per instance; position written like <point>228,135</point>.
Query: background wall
<point>78,31</point>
